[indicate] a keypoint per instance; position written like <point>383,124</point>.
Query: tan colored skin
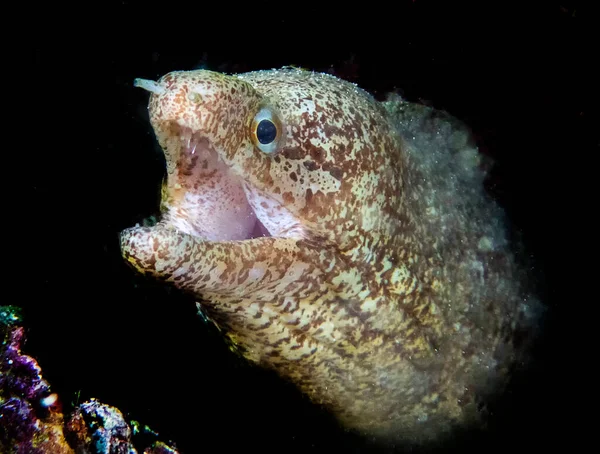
<point>378,301</point>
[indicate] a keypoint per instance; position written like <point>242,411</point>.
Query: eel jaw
<point>205,198</point>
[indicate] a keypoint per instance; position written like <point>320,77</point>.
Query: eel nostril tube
<point>149,85</point>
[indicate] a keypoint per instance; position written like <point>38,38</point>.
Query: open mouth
<point>202,196</point>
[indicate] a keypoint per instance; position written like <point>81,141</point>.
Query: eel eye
<point>266,130</point>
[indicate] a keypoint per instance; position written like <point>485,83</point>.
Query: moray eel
<point>346,243</point>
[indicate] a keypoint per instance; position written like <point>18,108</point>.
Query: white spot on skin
<point>203,90</point>
<point>369,305</point>
<point>400,275</point>
<point>308,106</point>
<point>255,273</point>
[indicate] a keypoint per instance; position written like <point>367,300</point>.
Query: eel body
<point>345,243</point>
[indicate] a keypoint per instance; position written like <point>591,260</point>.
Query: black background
<point>87,166</point>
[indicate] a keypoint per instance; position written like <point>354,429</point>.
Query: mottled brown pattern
<point>377,293</point>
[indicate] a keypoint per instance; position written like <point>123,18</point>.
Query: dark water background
<point>520,76</point>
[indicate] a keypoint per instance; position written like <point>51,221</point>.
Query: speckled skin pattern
<point>381,284</point>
